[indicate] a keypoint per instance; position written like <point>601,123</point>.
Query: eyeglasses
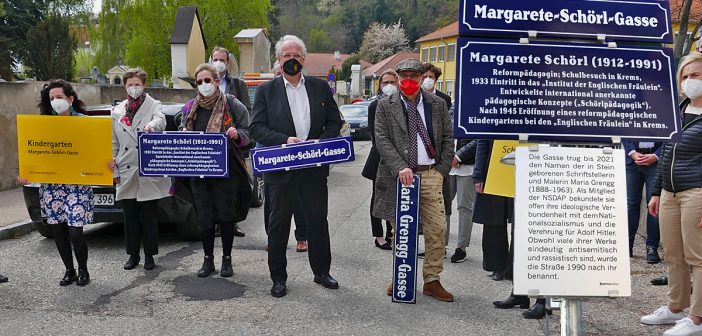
<point>388,82</point>
<point>206,80</point>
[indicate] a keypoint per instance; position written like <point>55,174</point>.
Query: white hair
<point>289,38</point>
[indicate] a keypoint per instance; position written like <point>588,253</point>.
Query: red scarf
<point>132,107</point>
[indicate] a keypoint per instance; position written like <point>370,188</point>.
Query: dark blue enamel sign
<point>184,154</point>
<point>404,277</point>
<point>302,155</point>
<point>565,92</point>
<point>642,20</point>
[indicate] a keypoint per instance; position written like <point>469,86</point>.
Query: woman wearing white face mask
<point>67,207</point>
<point>219,201</point>
<point>387,87</point>
<point>677,201</point>
<point>138,194</point>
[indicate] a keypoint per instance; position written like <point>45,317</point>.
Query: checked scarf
<point>217,103</point>
<point>416,126</point>
<point>132,107</point>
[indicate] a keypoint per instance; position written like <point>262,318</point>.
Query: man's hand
<point>654,206</point>
<point>232,133</point>
<point>646,160</point>
<point>635,156</point>
<point>406,176</point>
<point>480,187</point>
<point>292,140</point>
<point>455,162</point>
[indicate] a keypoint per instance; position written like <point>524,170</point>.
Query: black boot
<point>537,311</point>
<point>226,270</point>
<point>3,278</point>
<point>83,277</point>
<point>149,262</point>
<point>207,267</point>
<point>69,277</point>
<point>512,301</point>
<point>132,262</point>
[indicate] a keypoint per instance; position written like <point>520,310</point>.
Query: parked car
<point>357,117</point>
<point>177,209</point>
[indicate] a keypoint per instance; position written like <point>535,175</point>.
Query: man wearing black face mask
<point>290,109</point>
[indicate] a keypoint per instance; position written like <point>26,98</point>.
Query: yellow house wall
<point>195,53</point>
<point>447,67</point>
<point>690,27</point>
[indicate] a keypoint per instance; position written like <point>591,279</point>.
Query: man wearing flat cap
<point>413,136</point>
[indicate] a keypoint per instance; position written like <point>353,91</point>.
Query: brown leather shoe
<point>390,289</point>
<point>302,246</point>
<point>435,289</point>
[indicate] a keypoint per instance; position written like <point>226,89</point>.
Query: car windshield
<point>354,111</point>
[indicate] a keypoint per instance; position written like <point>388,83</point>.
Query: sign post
<point>404,278</point>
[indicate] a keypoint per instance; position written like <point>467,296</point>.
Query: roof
<point>118,69</point>
<point>249,33</point>
<point>450,30</point>
<point>183,25</point>
<point>695,10</point>
<point>389,63</point>
<point>318,64</point>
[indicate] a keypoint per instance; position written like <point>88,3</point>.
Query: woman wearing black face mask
<point>218,200</point>
<point>66,207</point>
<point>139,195</point>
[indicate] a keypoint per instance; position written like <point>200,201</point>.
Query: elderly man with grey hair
<point>289,109</point>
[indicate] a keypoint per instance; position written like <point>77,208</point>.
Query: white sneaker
<point>662,315</point>
<point>684,327</point>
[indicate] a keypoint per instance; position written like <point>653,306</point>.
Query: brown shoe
<point>390,289</point>
<point>302,246</point>
<point>435,289</point>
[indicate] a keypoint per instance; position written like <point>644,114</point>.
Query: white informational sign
<point>570,231</point>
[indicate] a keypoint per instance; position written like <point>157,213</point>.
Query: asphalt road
<point>171,300</point>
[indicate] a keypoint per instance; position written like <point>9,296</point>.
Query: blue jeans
<point>636,178</point>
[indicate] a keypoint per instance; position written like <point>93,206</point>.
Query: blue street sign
<point>331,77</point>
<point>638,20</point>
<point>302,155</point>
<point>184,154</point>
<point>404,276</point>
<point>569,92</point>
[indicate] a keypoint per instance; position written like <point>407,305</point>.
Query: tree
<point>319,41</point>
<point>18,17</point>
<point>345,72</point>
<point>49,51</point>
<point>381,41</point>
<point>684,41</point>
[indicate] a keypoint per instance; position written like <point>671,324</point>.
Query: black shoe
<point>237,232</point>
<point>226,270</point>
<point>537,311</point>
<point>652,256</point>
<point>207,267</point>
<point>278,290</point>
<point>83,277</point>
<point>69,277</point>
<point>662,281</point>
<point>132,262</point>
<point>3,278</point>
<point>385,246</point>
<point>458,256</point>
<point>511,302</point>
<point>326,280</point>
<point>497,276</point>
<point>149,262</point>
<point>421,255</point>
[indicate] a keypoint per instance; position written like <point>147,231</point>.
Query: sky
<point>97,5</point>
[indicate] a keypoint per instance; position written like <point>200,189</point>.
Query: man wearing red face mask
<point>413,136</point>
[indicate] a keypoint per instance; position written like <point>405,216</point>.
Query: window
<point>432,54</point>
<point>442,53</point>
<point>449,88</point>
<point>425,54</point>
<point>451,52</point>
<point>440,85</point>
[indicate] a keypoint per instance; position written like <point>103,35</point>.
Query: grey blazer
<point>391,141</point>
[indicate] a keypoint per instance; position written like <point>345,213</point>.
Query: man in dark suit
<point>230,84</point>
<point>291,109</point>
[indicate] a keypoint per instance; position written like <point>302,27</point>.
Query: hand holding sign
<point>406,176</point>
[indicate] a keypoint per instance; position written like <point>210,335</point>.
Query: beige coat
<point>126,153</point>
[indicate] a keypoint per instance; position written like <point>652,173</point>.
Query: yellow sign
<point>64,150</point>
<point>500,175</point>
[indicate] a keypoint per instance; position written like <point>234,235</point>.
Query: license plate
<point>104,199</point>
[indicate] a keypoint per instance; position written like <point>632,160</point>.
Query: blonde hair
<point>685,61</point>
<point>207,67</point>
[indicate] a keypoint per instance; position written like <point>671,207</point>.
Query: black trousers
<point>300,225</point>
<point>377,223</point>
<point>141,226</point>
<point>312,193</point>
